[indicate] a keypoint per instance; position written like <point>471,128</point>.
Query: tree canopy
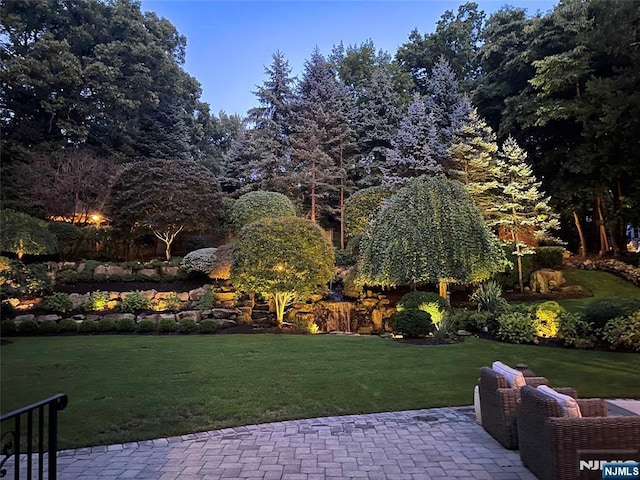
<point>23,234</point>
<point>259,205</point>
<point>282,258</point>
<point>430,231</point>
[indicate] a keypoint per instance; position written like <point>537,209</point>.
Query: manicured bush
<point>134,301</point>
<point>167,325</point>
<point>623,331</point>
<point>259,205</point>
<point>125,325</point>
<point>68,276</point>
<point>59,302</point>
<point>106,325</point>
<point>547,319</point>
<point>429,302</point>
<point>27,327</point>
<point>548,257</point>
<point>344,257</point>
<point>68,325</point>
<point>187,325</point>
<point>199,261</point>
<point>599,312</point>
<point>146,326</point>
<point>88,326</point>
<point>516,326</point>
<point>97,301</point>
<point>8,328</point>
<point>208,325</point>
<point>488,297</point>
<point>472,321</point>
<point>412,323</point>
<point>48,327</point>
<point>305,325</point>
<point>575,330</point>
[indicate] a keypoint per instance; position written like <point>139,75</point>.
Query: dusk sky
<point>229,43</point>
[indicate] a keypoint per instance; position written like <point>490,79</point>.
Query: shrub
<point>360,207</point>
<point>207,300</point>
<point>412,323</point>
<point>171,302</point>
<point>23,234</point>
<point>146,326</point>
<point>167,325</point>
<point>344,257</point>
<point>134,301</point>
<point>59,302</point>
<point>200,261</point>
<point>547,321</point>
<point>18,279</point>
<point>97,301</point>
<point>509,278</point>
<point>429,302</point>
<point>27,327</point>
<point>548,257</point>
<point>575,330</point>
<point>106,325</point>
<point>305,325</point>
<point>67,236</point>
<point>599,312</point>
<point>488,296</point>
<point>443,328</point>
<point>259,205</point>
<point>8,328</point>
<point>125,325</point>
<point>187,325</point>
<point>623,331</point>
<point>516,326</point>
<point>86,275</point>
<point>68,276</point>
<point>68,325</point>
<point>88,326</point>
<point>472,321</point>
<point>208,325</point>
<point>48,327</point>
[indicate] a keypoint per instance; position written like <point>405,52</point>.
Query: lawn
<point>127,388</point>
<point>601,284</point>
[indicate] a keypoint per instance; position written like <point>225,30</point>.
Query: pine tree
<point>414,147</point>
<point>471,156</point>
<point>322,137</point>
<point>443,101</point>
<point>519,207</point>
<point>376,125</point>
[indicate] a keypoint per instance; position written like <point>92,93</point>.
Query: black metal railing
<point>18,437</point>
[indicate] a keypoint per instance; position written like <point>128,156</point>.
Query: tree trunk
<point>442,287</point>
<point>280,299</point>
<point>341,203</point>
<point>313,193</point>
<point>167,251</point>
<point>583,241</point>
<point>604,243</point>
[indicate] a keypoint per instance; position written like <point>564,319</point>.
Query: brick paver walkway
<point>422,444</point>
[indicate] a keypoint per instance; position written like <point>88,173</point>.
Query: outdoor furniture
<point>552,445</point>
<point>498,405</point>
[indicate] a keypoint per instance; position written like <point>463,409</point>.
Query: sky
<point>229,43</point>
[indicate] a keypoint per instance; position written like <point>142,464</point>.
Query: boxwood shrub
<point>27,327</point>
<point>8,328</point>
<point>208,325</point>
<point>412,323</point>
<point>146,326</point>
<point>88,326</point>
<point>106,325</point>
<point>187,325</point>
<point>167,325</point>
<point>68,325</point>
<point>125,325</point>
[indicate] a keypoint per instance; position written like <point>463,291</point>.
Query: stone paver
<point>434,444</point>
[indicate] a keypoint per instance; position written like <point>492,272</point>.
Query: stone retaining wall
<point>621,269</point>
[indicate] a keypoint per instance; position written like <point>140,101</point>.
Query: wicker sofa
<point>552,446</point>
<point>498,405</point>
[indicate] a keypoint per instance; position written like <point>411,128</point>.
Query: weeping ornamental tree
<point>429,232</point>
<point>23,234</point>
<point>283,258</point>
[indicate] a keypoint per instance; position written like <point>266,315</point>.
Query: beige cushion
<point>568,405</point>
<point>514,377</point>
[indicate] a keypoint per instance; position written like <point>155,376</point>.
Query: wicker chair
<point>498,405</point>
<point>551,446</point>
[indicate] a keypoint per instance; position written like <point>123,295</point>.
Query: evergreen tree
<point>376,125</point>
<point>443,99</point>
<point>322,137</point>
<point>471,157</point>
<point>261,158</point>
<point>519,207</point>
<point>414,148</point>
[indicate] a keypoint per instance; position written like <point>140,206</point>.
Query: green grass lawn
<point>601,284</point>
<point>127,388</point>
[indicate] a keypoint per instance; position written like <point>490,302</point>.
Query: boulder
<point>148,294</point>
<point>376,319</point>
<point>147,272</point>
<point>170,271</point>
<point>369,302</point>
<point>120,316</point>
<point>115,295</point>
<point>196,294</point>
<point>224,312</point>
<point>25,318</point>
<point>223,323</point>
<point>545,280</point>
<point>246,314</point>
<point>119,271</point>
<point>45,318</point>
<point>224,296</point>
<point>77,300</point>
<point>166,316</point>
<point>195,314</point>
<point>100,270</point>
